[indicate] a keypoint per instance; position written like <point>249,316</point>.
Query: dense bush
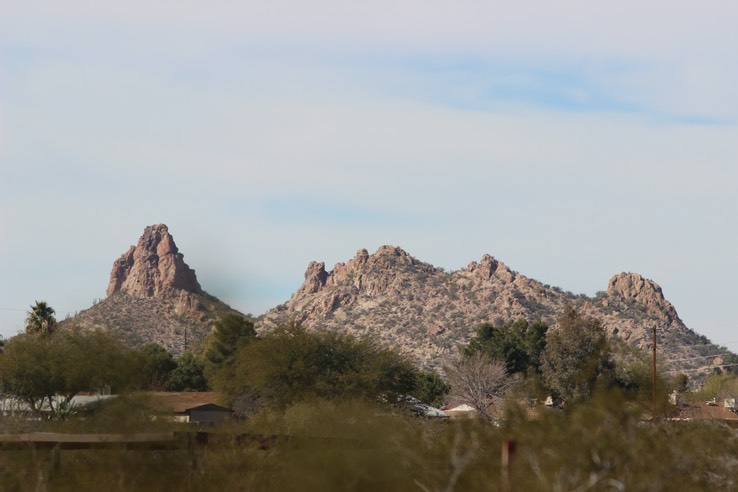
<point>189,375</point>
<point>292,364</point>
<point>42,370</point>
<point>156,364</point>
<point>576,357</point>
<point>518,345</point>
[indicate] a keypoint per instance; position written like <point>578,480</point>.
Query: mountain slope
<point>426,311</point>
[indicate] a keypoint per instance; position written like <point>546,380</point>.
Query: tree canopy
<point>230,333</point>
<point>156,365</point>
<point>189,375</point>
<point>291,364</point>
<point>40,319</point>
<point>517,345</point>
<point>159,371</point>
<point>430,388</point>
<point>47,372</point>
<point>576,356</point>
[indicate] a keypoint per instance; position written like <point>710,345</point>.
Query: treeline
<point>46,367</point>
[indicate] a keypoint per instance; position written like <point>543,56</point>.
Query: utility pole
<point>508,456</point>
<point>653,371</point>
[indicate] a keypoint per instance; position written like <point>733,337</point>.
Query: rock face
<point>154,297</point>
<point>427,312</point>
<point>152,268</point>
<point>644,292</point>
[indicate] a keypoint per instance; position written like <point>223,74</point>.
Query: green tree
<point>156,365</point>
<point>291,364</point>
<point>718,386</point>
<point>46,373</point>
<point>40,319</point>
<point>633,374</point>
<point>576,356</point>
<point>230,333</point>
<point>430,388</point>
<point>189,375</point>
<point>517,345</point>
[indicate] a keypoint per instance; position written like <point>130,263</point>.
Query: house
<point>189,406</point>
<point>208,414</point>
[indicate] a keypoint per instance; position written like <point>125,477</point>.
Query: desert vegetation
<point>319,410</point>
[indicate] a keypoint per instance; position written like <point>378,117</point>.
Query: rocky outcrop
<point>427,312</point>
<point>152,268</point>
<point>315,279</point>
<point>647,293</point>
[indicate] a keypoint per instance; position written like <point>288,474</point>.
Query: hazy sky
<point>572,140</point>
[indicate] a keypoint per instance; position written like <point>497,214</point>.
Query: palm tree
<point>41,319</point>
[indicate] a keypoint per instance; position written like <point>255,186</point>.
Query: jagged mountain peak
<point>489,267</point>
<point>634,286</point>
<point>152,268</point>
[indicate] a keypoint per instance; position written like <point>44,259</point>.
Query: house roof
<point>208,407</point>
<point>703,411</point>
<point>179,402</point>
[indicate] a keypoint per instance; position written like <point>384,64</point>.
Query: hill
<point>154,296</point>
<point>428,312</point>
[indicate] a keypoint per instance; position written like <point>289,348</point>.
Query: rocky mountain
<point>154,296</point>
<point>153,268</point>
<point>426,311</point>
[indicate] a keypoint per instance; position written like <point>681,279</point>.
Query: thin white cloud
<point>572,140</point>
<point>576,28</point>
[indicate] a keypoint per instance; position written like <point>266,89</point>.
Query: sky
<point>572,140</point>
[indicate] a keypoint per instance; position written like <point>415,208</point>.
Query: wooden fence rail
<point>151,440</point>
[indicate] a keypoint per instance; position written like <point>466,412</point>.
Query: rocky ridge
<point>426,311</point>
<point>154,296</point>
